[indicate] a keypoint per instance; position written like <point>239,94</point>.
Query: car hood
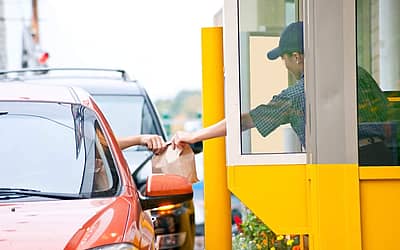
<point>52,224</point>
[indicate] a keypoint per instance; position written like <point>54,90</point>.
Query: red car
<point>64,182</point>
<point>129,110</point>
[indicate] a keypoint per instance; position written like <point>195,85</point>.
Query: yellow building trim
<point>394,99</point>
<point>321,200</point>
<point>380,206</point>
<point>334,207</point>
<point>276,194</point>
<point>376,173</point>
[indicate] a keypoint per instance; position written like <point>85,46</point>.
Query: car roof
<point>95,86</point>
<point>95,81</point>
<point>46,93</point>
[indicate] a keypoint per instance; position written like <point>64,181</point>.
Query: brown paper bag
<point>179,161</point>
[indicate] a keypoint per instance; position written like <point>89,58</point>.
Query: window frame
<point>234,153</point>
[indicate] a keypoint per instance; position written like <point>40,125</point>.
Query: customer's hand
<point>153,142</point>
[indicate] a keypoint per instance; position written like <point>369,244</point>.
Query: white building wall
<point>17,14</point>
<point>3,51</point>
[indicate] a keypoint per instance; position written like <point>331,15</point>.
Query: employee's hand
<point>180,138</point>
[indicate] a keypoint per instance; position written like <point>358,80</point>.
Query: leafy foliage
<point>255,235</point>
<point>186,103</point>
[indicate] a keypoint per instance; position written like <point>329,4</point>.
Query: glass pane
<point>378,77</point>
<point>50,147</point>
<point>40,148</point>
<point>133,118</point>
<point>105,174</point>
<point>129,118</point>
<point>271,89</point>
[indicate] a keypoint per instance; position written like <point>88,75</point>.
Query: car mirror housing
<point>165,189</point>
<point>197,147</point>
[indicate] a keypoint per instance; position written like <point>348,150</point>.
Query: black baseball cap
<point>291,41</point>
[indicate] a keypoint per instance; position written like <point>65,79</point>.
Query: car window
<point>105,179</point>
<point>51,147</point>
<point>130,115</point>
<point>148,124</point>
<point>127,115</point>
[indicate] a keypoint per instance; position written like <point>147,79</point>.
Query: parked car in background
<point>129,110</point>
<point>64,181</point>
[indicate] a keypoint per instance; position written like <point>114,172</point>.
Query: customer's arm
<point>153,142</point>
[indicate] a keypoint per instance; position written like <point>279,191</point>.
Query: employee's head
<point>291,49</point>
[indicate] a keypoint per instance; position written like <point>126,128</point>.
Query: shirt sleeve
<point>267,117</point>
<point>372,106</point>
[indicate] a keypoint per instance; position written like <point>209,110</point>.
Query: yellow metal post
<point>216,194</point>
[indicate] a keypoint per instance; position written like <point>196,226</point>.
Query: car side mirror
<point>165,189</point>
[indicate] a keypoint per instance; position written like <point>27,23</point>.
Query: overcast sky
<point>156,41</point>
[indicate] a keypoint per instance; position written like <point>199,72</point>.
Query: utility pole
<point>35,22</point>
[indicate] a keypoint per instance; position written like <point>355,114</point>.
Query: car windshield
<point>50,147</point>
